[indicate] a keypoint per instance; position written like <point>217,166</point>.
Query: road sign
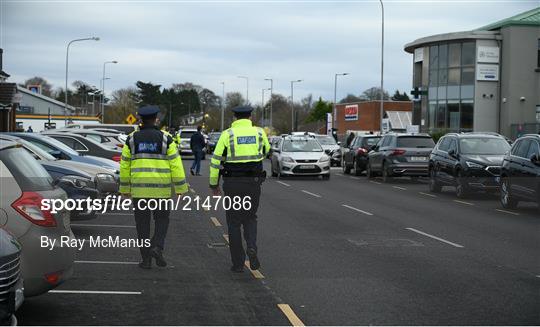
<point>351,112</point>
<point>130,119</point>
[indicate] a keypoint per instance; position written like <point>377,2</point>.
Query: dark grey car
<point>400,155</point>
<point>84,145</point>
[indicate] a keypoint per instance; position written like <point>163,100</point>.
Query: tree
<point>46,87</point>
<point>400,97</point>
<point>123,103</point>
<point>374,93</point>
<point>148,93</point>
<point>320,109</point>
<point>351,98</point>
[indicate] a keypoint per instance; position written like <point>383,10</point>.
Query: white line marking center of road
<point>400,188</point>
<point>283,183</point>
<point>435,237</point>
<point>427,194</point>
<point>464,202</point>
<point>312,194</point>
<point>509,212</point>
<point>359,210</point>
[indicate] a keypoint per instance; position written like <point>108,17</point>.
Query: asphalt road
<point>347,251</point>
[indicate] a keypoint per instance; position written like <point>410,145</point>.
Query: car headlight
<point>287,159</point>
<point>105,178</point>
<point>78,181</point>
<point>471,164</point>
<point>324,159</point>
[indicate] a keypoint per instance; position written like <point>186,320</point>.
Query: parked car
<point>106,139</point>
<point>356,155</point>
<point>274,144</point>
<point>467,161</point>
<point>25,183</point>
<point>300,155</point>
<point>185,137</point>
<point>400,155</point>
<point>520,174</point>
<point>126,128</point>
<point>63,152</point>
<point>213,138</point>
<point>331,147</point>
<point>11,283</point>
<point>85,145</point>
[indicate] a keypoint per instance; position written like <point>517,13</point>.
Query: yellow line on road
<point>215,221</point>
<point>510,212</point>
<point>289,313</point>
<point>464,202</point>
<point>257,274</point>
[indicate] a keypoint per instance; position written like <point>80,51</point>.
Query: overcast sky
<point>167,42</point>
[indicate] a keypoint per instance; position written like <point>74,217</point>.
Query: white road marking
<point>94,292</point>
<point>354,177</point>
<point>374,182</point>
<point>400,188</point>
<point>108,262</point>
<point>464,202</point>
<point>312,194</point>
<point>509,212</point>
<point>282,183</point>
<point>427,194</point>
<point>114,226</point>
<point>215,221</point>
<point>435,237</point>
<point>359,210</point>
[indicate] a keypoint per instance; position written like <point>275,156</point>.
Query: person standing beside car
<point>150,167</point>
<point>197,144</point>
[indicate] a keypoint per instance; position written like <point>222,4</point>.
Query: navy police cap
<point>242,109</point>
<point>148,111</point>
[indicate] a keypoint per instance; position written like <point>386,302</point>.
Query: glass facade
<point>451,86</point>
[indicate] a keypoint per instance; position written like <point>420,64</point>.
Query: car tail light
<point>117,158</point>
<point>29,206</point>
<point>398,152</point>
<point>120,145</point>
<point>53,278</point>
<point>361,151</point>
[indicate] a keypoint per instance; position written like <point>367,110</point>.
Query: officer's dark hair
<point>199,128</point>
<point>242,115</point>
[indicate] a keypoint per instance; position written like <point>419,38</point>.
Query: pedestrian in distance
<point>197,144</point>
<point>238,157</point>
<point>29,130</point>
<point>149,169</point>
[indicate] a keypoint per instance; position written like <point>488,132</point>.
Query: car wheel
<point>461,186</point>
<point>507,200</point>
<point>434,186</point>
<point>274,174</point>
<point>369,172</point>
<point>357,169</point>
<point>386,175</point>
<point>346,169</point>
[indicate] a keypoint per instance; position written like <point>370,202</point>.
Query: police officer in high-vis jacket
<point>238,158</point>
<point>150,168</point>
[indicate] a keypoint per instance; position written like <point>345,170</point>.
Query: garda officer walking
<point>241,149</point>
<point>149,168</point>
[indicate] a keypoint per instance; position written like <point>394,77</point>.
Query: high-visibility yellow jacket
<point>154,174</point>
<point>241,143</point>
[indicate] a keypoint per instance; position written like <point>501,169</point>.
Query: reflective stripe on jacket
<point>152,175</point>
<point>242,143</point>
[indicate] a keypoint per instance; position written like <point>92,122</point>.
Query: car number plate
<point>418,158</point>
<point>307,166</point>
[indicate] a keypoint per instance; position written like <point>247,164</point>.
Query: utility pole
<point>334,118</point>
<point>271,102</point>
<point>222,105</point>
<point>381,109</point>
<point>247,88</point>
<point>292,103</point>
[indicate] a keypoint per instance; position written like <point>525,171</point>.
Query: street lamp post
<point>262,106</point>
<point>271,93</point>
<point>247,87</point>
<point>67,62</point>
<point>292,103</point>
<point>222,106</point>
<point>103,90</point>
<point>334,118</point>
<point>381,109</point>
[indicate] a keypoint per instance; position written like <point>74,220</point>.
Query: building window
<point>538,114</point>
<point>467,114</point>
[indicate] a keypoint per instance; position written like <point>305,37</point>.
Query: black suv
<point>467,161</point>
<point>355,156</point>
<point>520,175</point>
<point>400,155</point>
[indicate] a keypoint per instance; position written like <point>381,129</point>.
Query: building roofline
<point>527,18</point>
<point>375,101</point>
<point>43,97</point>
<point>455,36</point>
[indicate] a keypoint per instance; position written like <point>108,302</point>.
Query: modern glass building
<point>482,80</point>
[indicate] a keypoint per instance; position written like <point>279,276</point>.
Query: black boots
<point>157,254</point>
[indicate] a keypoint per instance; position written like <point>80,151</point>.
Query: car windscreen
<point>37,150</point>
<point>301,145</point>
<point>370,141</point>
<point>326,140</point>
<point>186,134</point>
<point>415,142</point>
<point>26,170</point>
<point>94,137</point>
<point>53,144</point>
<point>483,145</point>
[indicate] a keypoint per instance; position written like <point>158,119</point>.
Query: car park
<point>111,140</point>
<point>25,183</point>
<point>400,155</point>
<point>520,173</point>
<point>300,155</point>
<point>331,147</point>
<point>467,161</point>
<point>85,145</point>
<point>63,152</point>
<point>356,155</point>
<point>11,283</point>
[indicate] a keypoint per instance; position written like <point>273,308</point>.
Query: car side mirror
<point>535,159</point>
<point>452,153</point>
<point>57,154</point>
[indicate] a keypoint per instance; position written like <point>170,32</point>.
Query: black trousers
<point>161,225</point>
<point>236,219</point>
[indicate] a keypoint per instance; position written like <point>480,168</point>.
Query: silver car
<point>24,184</point>
<point>11,284</point>
<point>300,155</point>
